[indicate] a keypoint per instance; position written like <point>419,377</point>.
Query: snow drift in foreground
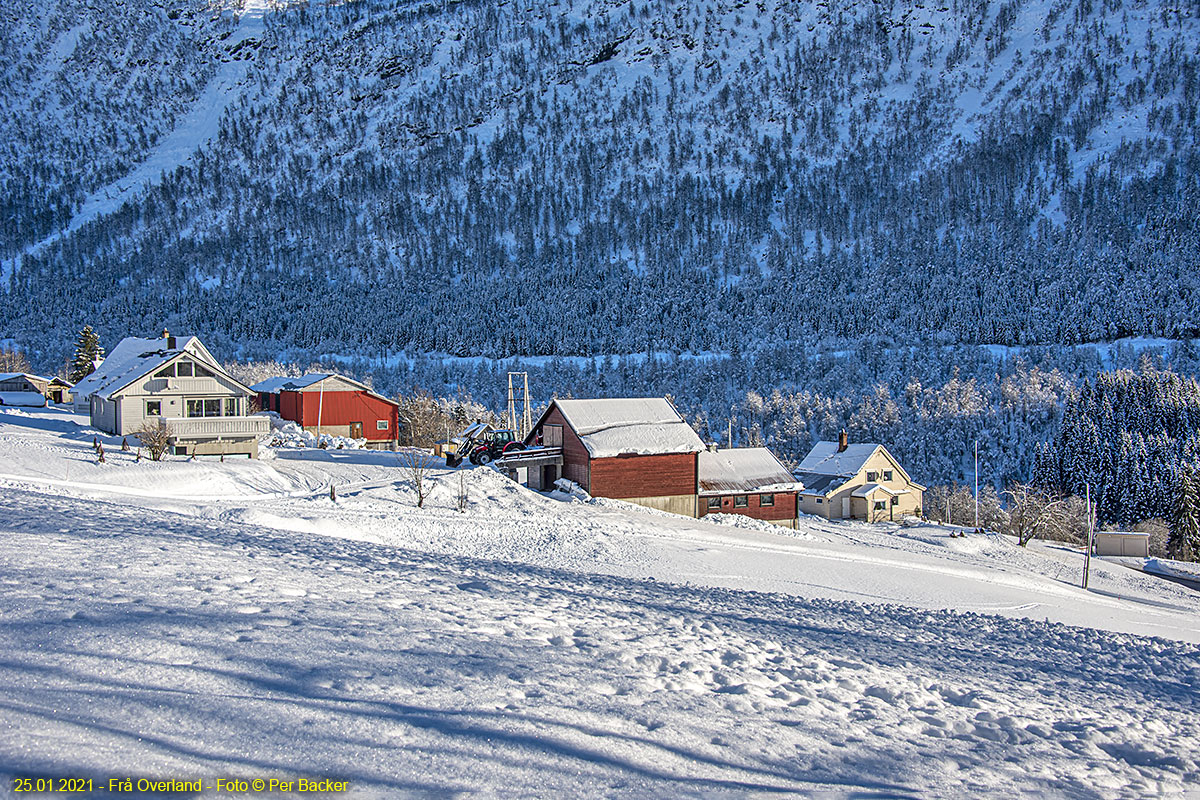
<point>521,648</point>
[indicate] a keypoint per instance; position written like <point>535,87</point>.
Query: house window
<point>203,372</point>
<point>880,505</point>
<point>714,504</point>
<point>381,424</point>
<point>766,499</point>
<point>819,501</point>
<point>741,502</point>
<point>887,475</point>
<point>895,501</point>
<point>871,476</point>
<point>166,372</point>
<point>204,408</point>
<point>154,408</point>
<point>231,405</point>
<point>184,369</point>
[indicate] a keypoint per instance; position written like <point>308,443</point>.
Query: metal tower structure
<point>520,415</point>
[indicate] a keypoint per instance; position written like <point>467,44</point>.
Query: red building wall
<point>340,408</point>
<point>784,508</point>
<point>575,455</point>
<point>644,476</point>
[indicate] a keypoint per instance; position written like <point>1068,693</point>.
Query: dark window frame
<point>741,501</point>
<point>766,500</point>
<point>714,504</point>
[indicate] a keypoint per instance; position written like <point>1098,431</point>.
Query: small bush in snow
<point>155,436</point>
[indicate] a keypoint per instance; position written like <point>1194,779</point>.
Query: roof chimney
<point>843,441</point>
<point>170,339</point>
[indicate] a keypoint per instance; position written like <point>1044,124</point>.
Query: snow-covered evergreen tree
<point>87,352</point>
<point>1184,543</point>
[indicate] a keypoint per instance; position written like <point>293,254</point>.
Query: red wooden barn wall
<point>340,408</point>
<point>644,476</point>
<point>784,508</point>
<point>575,455</point>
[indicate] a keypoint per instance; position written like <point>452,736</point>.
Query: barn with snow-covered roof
<point>335,405</point>
<point>636,449</point>
<point>750,481</point>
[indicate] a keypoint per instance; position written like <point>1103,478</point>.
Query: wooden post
<point>1087,556</point>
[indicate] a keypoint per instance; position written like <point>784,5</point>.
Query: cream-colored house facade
<point>857,481</point>
<point>178,382</point>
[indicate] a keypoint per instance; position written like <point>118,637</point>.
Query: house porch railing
<point>190,428</point>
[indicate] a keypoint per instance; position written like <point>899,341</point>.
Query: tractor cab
<point>500,438</point>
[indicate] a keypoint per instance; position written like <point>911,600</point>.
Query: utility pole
<point>1087,556</point>
<point>320,407</point>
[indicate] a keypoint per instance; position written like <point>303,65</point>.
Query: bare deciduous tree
<point>155,436</point>
<point>12,360</point>
<point>1032,514</point>
<point>416,464</point>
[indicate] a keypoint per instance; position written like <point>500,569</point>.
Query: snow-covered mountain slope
<point>535,646</point>
<point>595,176</point>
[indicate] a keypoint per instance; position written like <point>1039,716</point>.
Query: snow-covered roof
<point>133,358</point>
<point>641,425</point>
<point>820,485</point>
<point>293,384</point>
<point>866,489</point>
<point>36,399</point>
<point>824,458</point>
<point>744,469</point>
<point>272,385</point>
<point>8,376</point>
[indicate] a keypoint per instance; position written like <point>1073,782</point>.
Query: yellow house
<point>856,481</point>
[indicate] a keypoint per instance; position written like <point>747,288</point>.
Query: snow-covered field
<point>205,619</point>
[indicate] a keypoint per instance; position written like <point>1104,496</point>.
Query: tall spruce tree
<point>1184,543</point>
<point>87,352</point>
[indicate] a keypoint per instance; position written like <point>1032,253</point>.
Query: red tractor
<point>482,444</point>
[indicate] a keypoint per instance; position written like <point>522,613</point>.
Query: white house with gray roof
<point>856,481</point>
<point>177,381</point>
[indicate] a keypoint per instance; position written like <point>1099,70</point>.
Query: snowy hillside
<point>592,176</point>
<point>205,619</point>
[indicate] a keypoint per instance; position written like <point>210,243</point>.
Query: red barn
<point>332,404</point>
<point>749,481</point>
<point>635,449</point>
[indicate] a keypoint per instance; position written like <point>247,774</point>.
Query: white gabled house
<point>856,481</point>
<point>177,381</point>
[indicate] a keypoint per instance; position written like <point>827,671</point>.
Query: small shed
<point>333,404</point>
<point>750,481</point>
<point>58,390</point>
<point>22,389</point>
<point>1122,543</point>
